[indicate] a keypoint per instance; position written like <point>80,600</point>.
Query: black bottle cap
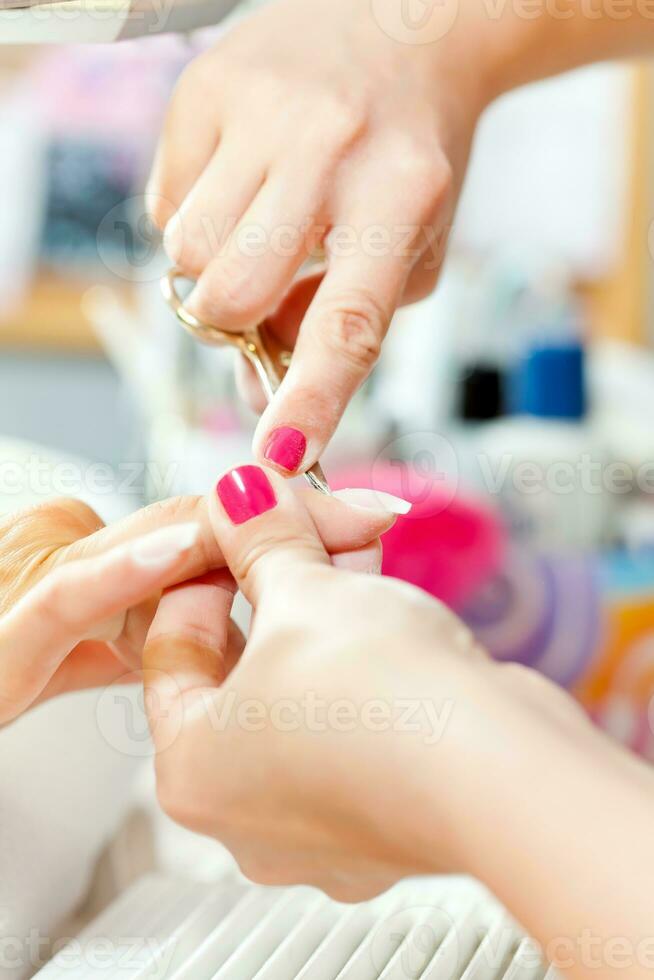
<point>481,394</point>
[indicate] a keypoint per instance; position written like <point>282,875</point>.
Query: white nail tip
<point>163,547</point>
<point>377,500</point>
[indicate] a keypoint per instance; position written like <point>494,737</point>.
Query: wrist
<point>536,799</point>
<point>510,45</point>
<point>503,729</point>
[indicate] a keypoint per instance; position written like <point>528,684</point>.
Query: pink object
<point>245,493</point>
<point>286,448</point>
<point>447,545</point>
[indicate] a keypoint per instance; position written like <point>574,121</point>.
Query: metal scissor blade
<point>265,355</point>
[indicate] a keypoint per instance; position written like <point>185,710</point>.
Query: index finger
<point>338,345</point>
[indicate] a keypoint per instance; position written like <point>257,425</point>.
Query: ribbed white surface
<point>426,929</point>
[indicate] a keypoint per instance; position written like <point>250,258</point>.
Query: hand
<point>311,124</point>
<point>311,752</point>
<point>77,599</point>
<point>360,736</point>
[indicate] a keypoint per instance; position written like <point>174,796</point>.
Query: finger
<point>338,345</point>
<point>90,665</point>
<point>189,138</point>
<point>287,319</point>
<point>265,530</point>
<point>349,523</point>
<point>351,519</point>
<point>285,325</point>
<point>83,600</point>
<point>242,286</point>
<point>426,272</point>
<point>194,616</point>
<point>192,646</point>
<point>203,557</point>
<point>366,560</point>
<point>213,208</point>
<point>248,386</point>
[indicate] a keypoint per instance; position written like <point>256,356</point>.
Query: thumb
<point>263,529</point>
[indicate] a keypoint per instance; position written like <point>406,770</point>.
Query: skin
<point>330,125</point>
<point>76,603</point>
<point>374,131</point>
<point>517,778</point>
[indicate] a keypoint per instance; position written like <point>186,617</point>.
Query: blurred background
<point>513,406</point>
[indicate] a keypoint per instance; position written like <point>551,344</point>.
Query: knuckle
<point>168,792</point>
<point>195,75</point>
<point>183,510</point>
<point>354,329</point>
<point>251,869</point>
<point>225,293</point>
<point>433,184</point>
<point>55,600</point>
<point>263,871</point>
<point>284,543</point>
<point>175,510</point>
<point>348,119</point>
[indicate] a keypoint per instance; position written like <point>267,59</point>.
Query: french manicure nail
<point>375,500</point>
<point>163,547</point>
<point>286,448</point>
<point>245,493</point>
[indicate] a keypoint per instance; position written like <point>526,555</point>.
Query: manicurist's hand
<point>317,123</point>
<point>310,752</point>
<point>77,599</point>
<point>360,736</point>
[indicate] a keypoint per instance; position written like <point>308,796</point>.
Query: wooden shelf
<point>52,318</point>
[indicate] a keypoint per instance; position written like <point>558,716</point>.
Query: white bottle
<point>546,465</point>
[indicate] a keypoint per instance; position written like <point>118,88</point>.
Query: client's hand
<point>77,599</point>
<point>310,753</point>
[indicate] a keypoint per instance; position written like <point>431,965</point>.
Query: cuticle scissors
<point>267,357</point>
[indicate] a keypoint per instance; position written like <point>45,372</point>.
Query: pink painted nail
<point>286,448</point>
<point>245,493</point>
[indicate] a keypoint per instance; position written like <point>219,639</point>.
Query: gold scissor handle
<point>267,357</point>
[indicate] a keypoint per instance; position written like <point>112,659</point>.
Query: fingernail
<point>163,547</point>
<point>245,493</point>
<point>286,448</point>
<point>375,500</point>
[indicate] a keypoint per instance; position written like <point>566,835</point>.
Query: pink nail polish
<point>245,493</point>
<point>286,448</point>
